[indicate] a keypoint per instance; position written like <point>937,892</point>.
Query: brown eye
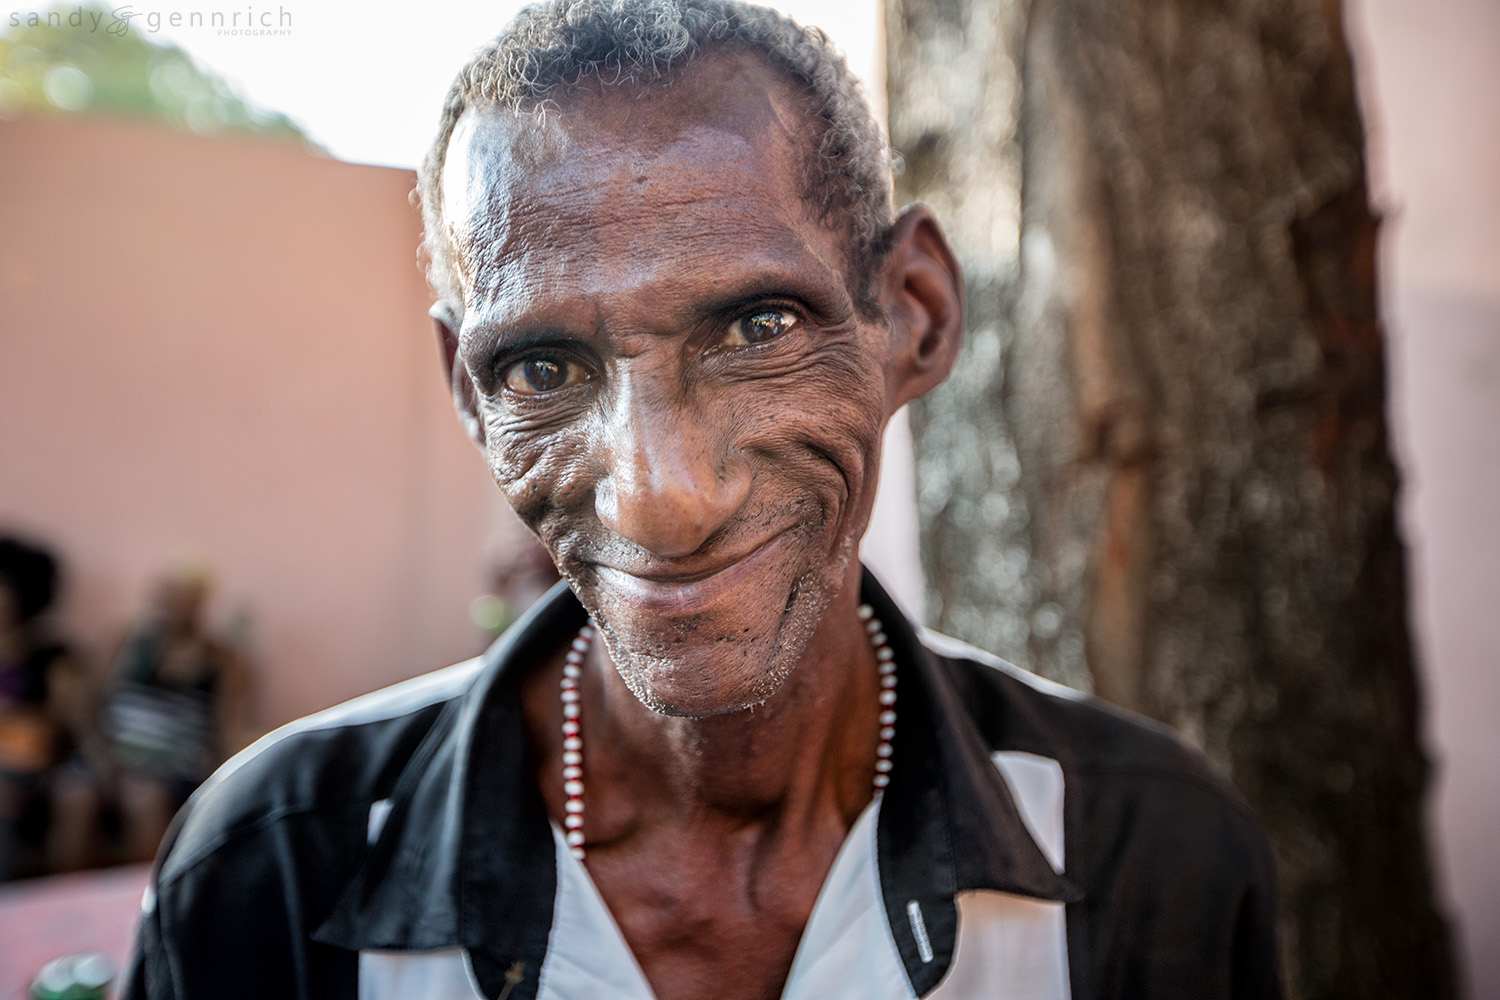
<point>538,375</point>
<point>760,327</point>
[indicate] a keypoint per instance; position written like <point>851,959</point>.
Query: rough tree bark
<point>1162,468</point>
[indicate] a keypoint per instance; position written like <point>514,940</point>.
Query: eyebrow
<point>493,339</point>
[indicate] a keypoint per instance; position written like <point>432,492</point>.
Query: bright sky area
<point>367,79</point>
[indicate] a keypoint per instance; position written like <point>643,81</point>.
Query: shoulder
<point>332,765</point>
<point>1019,710</point>
<point>265,847</point>
<point>1130,779</point>
<point>1177,877</point>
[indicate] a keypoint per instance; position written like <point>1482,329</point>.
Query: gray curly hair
<point>551,46</point>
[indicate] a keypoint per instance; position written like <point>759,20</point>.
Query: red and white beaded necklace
<point>572,730</point>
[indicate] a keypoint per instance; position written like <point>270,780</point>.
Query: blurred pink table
<point>42,919</point>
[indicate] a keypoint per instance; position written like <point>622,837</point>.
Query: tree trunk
<point>1162,468</point>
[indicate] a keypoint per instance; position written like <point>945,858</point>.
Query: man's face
<point>676,390</point>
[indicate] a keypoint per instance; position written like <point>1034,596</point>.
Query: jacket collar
<point>948,823</point>
<point>466,855</point>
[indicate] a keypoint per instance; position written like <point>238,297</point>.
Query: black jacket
<point>268,888</point>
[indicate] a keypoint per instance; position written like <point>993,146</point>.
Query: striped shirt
<point>1032,843</point>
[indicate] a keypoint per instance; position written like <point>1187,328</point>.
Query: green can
<point>74,977</point>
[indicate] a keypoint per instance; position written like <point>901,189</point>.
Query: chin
<point>714,664</point>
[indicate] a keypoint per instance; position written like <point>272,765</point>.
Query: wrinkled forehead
<point>721,145</point>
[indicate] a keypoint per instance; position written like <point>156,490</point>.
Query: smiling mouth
<point>691,589</point>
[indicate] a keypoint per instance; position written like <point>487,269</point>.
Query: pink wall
<point>1431,82</point>
<point>218,350</point>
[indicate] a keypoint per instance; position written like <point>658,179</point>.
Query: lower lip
<point>672,597</point>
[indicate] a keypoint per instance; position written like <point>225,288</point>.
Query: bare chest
<point>701,932</point>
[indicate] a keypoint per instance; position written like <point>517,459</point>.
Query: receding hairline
<point>592,94</point>
<point>646,44</point>
<point>752,114</point>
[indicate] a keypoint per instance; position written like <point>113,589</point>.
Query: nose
<point>673,479</point>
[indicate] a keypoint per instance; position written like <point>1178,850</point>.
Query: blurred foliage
<point>85,59</point>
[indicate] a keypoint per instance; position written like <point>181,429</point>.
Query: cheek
<point>823,432</point>
<point>542,469</point>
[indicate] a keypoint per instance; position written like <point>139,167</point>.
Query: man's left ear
<point>922,290</point>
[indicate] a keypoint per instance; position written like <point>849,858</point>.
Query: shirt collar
<point>466,856</point>
<point>948,823</point>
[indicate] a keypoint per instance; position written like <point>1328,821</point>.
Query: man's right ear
<point>445,323</point>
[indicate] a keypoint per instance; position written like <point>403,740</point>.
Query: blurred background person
<point>38,678</point>
<point>168,715</point>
